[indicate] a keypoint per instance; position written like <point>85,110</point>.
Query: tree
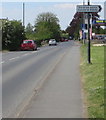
<point>42,31</point>
<point>64,34</point>
<point>12,34</point>
<point>0,35</point>
<point>29,28</point>
<point>47,26</point>
<point>99,30</point>
<point>29,31</point>
<point>75,24</point>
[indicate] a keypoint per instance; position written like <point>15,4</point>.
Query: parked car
<point>29,45</point>
<point>64,40</point>
<point>52,42</point>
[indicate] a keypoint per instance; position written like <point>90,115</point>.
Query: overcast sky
<point>64,10</point>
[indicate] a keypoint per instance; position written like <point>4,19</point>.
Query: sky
<point>64,10</point>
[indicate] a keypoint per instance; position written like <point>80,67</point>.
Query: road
<point>25,72</point>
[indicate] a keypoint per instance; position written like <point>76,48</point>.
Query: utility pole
<point>83,24</point>
<point>23,14</point>
<point>89,49</point>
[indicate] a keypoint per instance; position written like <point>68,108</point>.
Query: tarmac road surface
<point>42,84</point>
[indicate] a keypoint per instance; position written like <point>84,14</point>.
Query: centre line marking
<point>34,51</point>
<point>14,58</point>
<point>25,54</point>
<point>2,62</point>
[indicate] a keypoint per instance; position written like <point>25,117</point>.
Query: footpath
<point>61,94</point>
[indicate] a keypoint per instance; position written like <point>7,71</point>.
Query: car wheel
<point>35,48</point>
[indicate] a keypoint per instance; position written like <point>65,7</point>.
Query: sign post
<point>89,9</point>
<point>89,50</point>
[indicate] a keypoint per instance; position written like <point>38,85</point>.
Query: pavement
<point>61,94</point>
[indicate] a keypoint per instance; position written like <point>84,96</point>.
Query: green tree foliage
<point>64,34</point>
<point>29,30</point>
<point>99,30</point>
<point>42,31</point>
<point>12,34</point>
<point>47,26</point>
<point>0,35</point>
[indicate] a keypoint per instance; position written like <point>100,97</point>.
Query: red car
<point>29,45</point>
<point>64,40</point>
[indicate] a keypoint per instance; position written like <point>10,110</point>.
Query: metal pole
<point>23,14</point>
<point>91,27</point>
<point>89,52</point>
<point>83,24</point>
<point>83,2</point>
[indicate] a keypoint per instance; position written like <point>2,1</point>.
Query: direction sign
<point>99,22</point>
<point>88,8</point>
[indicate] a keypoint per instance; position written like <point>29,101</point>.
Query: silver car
<point>52,42</point>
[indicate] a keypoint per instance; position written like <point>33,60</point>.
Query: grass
<point>93,81</point>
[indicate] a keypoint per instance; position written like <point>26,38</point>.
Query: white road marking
<point>25,54</point>
<point>14,58</point>
<point>34,51</point>
<point>19,56</point>
<point>2,62</point>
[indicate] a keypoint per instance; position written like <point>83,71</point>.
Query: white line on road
<point>2,62</point>
<point>34,51</point>
<point>14,58</point>
<point>25,54</point>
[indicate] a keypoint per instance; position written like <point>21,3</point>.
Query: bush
<point>12,34</point>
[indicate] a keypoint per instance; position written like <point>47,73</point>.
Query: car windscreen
<point>27,41</point>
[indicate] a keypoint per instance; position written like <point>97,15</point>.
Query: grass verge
<point>93,81</point>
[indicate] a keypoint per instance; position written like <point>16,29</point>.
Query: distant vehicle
<point>52,42</point>
<point>100,37</point>
<point>29,45</point>
<point>70,38</point>
<point>64,40</point>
